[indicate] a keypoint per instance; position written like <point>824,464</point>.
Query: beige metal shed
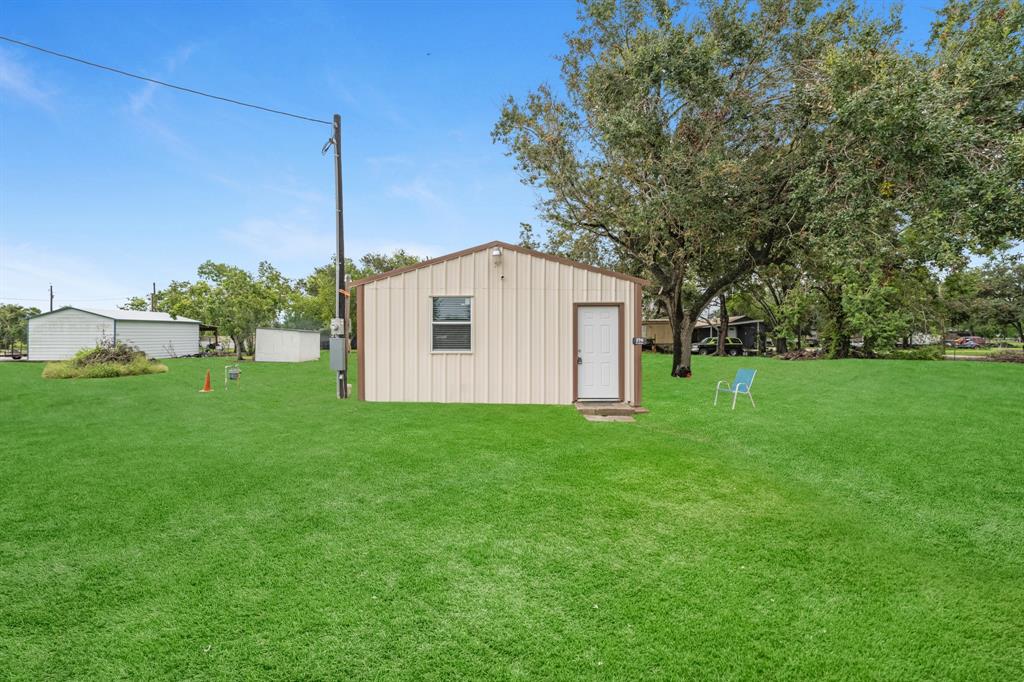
<point>499,323</point>
<point>287,345</point>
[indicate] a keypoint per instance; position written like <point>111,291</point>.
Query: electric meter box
<point>337,352</point>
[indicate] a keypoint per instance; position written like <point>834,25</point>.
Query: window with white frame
<point>451,327</point>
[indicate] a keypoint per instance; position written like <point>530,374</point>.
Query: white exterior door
<point>597,361</point>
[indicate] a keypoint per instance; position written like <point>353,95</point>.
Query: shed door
<point>597,375</point>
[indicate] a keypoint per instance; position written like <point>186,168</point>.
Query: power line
<point>109,298</point>
<point>163,83</point>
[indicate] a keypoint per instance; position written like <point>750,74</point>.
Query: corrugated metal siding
<point>61,334</point>
<point>522,331</point>
<point>287,345</point>
<point>160,339</point>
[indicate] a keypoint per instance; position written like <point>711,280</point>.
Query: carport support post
<point>340,300</point>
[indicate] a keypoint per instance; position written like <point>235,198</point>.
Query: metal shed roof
<point>125,315</point>
<point>502,245</point>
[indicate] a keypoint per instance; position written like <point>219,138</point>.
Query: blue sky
<point>108,184</point>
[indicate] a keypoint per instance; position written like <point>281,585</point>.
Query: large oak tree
<point>702,146</point>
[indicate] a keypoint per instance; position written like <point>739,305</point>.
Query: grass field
<point>865,521</point>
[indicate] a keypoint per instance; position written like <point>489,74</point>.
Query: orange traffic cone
<point>206,385</point>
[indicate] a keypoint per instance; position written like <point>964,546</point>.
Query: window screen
<point>451,328</point>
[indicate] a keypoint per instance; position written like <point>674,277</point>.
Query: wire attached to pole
<point>182,88</point>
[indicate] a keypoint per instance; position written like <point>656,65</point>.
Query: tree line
<point>237,301</point>
<point>984,300</point>
<point>793,150</point>
<point>14,325</point>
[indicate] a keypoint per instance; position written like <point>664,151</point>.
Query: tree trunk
<point>781,345</point>
<point>675,321</point>
<point>839,337</point>
<point>681,348</point>
<point>237,340</point>
<point>723,325</point>
<point>841,346</point>
<point>682,332</point>
<point>1020,330</point>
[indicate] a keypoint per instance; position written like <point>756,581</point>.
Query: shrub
<point>801,354</point>
<point>108,359</point>
<point>107,350</point>
<point>918,353</point>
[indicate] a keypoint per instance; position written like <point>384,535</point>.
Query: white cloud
<point>307,197</point>
<point>417,190</point>
<point>26,272</point>
<point>139,102</point>
<point>381,163</point>
<point>140,106</point>
<point>367,99</point>
<point>356,248</point>
<point>17,80</point>
<point>287,239</point>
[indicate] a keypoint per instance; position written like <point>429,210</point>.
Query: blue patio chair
<point>740,385</point>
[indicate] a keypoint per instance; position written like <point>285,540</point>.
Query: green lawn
<point>865,521</point>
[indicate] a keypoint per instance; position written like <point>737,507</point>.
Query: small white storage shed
<point>60,334</point>
<point>498,323</point>
<point>287,345</point>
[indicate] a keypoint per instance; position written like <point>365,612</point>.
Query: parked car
<point>970,342</point>
<point>733,346</point>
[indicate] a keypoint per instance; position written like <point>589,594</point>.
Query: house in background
<point>59,334</point>
<point>746,329</point>
<point>499,323</point>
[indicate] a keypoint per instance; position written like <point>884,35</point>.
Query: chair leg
<point>734,396</point>
<point>751,399</point>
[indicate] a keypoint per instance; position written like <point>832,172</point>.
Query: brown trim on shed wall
<point>576,345</point>
<point>637,350</point>
<point>361,345</point>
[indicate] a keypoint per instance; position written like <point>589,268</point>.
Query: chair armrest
<point>746,387</point>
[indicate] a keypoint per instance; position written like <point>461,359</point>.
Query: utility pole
<point>152,299</point>
<point>340,292</point>
<point>51,298</point>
